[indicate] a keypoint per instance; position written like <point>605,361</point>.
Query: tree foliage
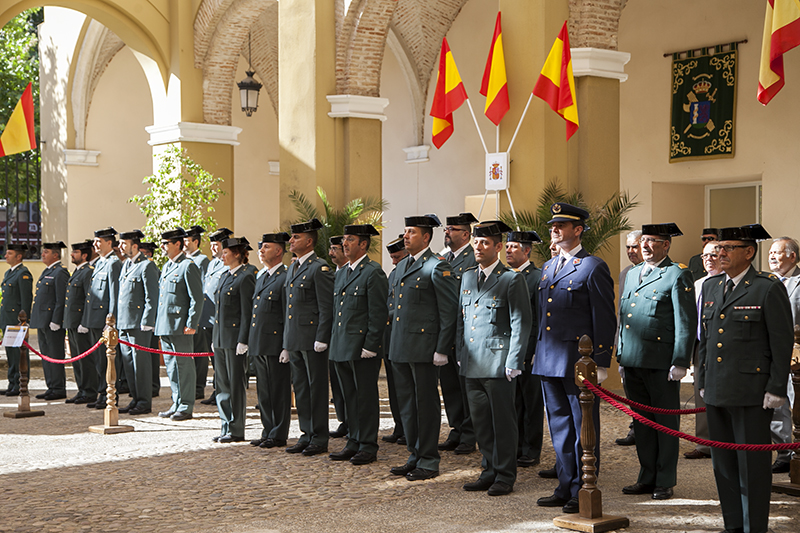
<point>182,193</point>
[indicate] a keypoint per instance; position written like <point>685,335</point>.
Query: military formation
<point>500,342</point>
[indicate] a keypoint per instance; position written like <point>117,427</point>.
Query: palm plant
<point>606,220</point>
<point>357,211</point>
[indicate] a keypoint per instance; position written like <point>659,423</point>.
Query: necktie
<point>646,271</point>
<point>450,256</point>
<point>728,291</point>
<point>561,263</point>
<point>481,279</point>
<point>410,260</point>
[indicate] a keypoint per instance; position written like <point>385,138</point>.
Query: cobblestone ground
<point>169,476</point>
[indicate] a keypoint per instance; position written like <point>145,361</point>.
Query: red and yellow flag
<point>448,97</point>
<point>781,34</point>
<point>556,84</point>
<point>20,132</point>
<point>495,85</point>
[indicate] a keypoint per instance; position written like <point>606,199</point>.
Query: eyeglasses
<point>708,239</point>
<point>634,247</point>
<point>450,229</point>
<point>706,257</point>
<point>729,247</point>
<point>650,240</point>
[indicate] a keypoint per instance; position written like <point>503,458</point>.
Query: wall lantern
<point>249,87</point>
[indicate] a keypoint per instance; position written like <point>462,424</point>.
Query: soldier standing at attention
<point>180,303</point>
<point>494,328</point>
<point>423,337</point>
<point>147,249</point>
<point>745,353</point>
<point>360,314</point>
<point>47,316</point>
<point>202,342</point>
<point>397,252</point>
<point>657,323</point>
<point>306,334</point>
<point>336,253</point>
<point>78,287</point>
<point>17,291</point>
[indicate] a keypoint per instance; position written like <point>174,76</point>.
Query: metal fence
<point>20,214</point>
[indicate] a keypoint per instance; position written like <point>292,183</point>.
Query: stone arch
<point>265,51</point>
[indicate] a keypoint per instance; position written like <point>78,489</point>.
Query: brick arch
<point>594,23</point>
<point>205,22</point>
<point>265,51</point>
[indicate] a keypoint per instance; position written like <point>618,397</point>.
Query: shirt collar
<point>738,278</point>
<point>273,269</point>
<point>354,265</point>
<point>233,270</point>
<point>417,256</point>
<point>302,260</point>
<point>135,257</point>
<point>524,265</point>
<point>654,265</point>
<point>177,258</point>
<point>14,267</point>
<point>572,253</point>
<point>488,270</point>
<point>458,252</point>
<point>107,255</point>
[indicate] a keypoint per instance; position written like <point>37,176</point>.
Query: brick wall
<point>594,23</point>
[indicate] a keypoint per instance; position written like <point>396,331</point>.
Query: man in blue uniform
<point>17,291</point>
<point>576,297</point>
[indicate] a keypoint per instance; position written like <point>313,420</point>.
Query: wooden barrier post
<point>24,404</point>
<point>590,499</point>
<point>111,412</point>
<point>793,485</point>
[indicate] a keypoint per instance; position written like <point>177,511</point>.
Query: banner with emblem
<point>703,103</point>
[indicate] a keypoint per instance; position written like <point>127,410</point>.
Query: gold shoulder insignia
<point>440,258</point>
<point>325,268</point>
<point>446,273</point>
<point>682,265</point>
<point>687,289</point>
<point>25,277</point>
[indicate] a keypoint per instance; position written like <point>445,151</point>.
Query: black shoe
<point>464,449</point>
<point>363,458</point>
<point>734,530</point>
<point>42,395</point>
<point>227,439</point>
<point>314,449</point>
<point>166,414</point>
<point>199,395</point>
<point>155,394</point>
<point>272,443</point>
<point>638,488</point>
<point>339,432</point>
<point>696,454</point>
<point>662,493</point>
<point>297,448</point>
<point>402,440</point>
<point>127,408</point>
<point>140,411</point>
<point>478,486</point>
<point>390,438</point>
<point>448,445</point>
<point>500,488</point>
<point>629,440</point>
<point>12,393</point>
<point>420,474</point>
<point>551,501</point>
<point>550,473</point>
<point>52,396</point>
<point>180,416</point>
<point>571,506</point>
<point>780,467</point>
<point>257,442</point>
<point>402,470</point>
<point>83,399</point>
<point>74,398</point>
<point>345,454</point>
<point>524,461</point>
<point>211,400</point>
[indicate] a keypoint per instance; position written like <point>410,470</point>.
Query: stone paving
<point>169,476</point>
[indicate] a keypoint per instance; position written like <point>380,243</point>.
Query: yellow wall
<point>688,217</point>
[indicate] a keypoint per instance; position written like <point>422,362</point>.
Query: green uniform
<point>48,307</point>
<point>85,374</point>
<point>17,296</point>
<point>202,339</point>
<point>101,300</point>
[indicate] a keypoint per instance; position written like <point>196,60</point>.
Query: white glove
<point>773,401</point>
<point>676,373</point>
<point>54,326</point>
<point>284,356</point>
<point>621,372</point>
<point>511,373</point>
<point>602,374</point>
<point>320,347</point>
<point>147,328</point>
<point>439,359</point>
<point>241,349</point>
<point>366,354</point>
<point>82,329</point>
<point>702,393</point>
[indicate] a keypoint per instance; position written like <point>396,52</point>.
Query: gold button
<point>402,284</point>
<point>654,297</point>
<point>600,346</point>
<point>259,297</point>
<point>627,326</point>
<point>473,327</point>
<point>719,359</point>
<point>309,322</point>
<point>722,316</point>
<point>399,306</point>
<point>549,300</point>
<point>340,313</point>
<point>548,314</point>
<point>658,338</point>
<point>254,315</point>
<point>423,330</point>
<point>746,317</point>
<point>290,295</point>
<point>476,305</point>
<point>552,286</point>
<point>401,296</point>
<point>340,324</point>
<point>719,345</point>
<point>721,330</point>
<point>633,304</point>
<point>291,285</point>
<point>254,324</point>
<point>758,369</point>
<point>474,316</point>
<point>630,315</point>
<point>636,294</point>
<point>290,306</point>
<point>397,319</point>
<point>472,340</point>
<point>548,328</point>
<point>290,317</point>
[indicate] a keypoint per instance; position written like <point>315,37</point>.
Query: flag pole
<point>497,138</point>
<point>476,126</point>
<point>497,204</point>
<point>514,213</point>
<point>485,193</point>
<point>514,138</point>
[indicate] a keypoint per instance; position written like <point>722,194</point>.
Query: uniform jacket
<point>793,290</point>
<point>180,297</point>
<point>75,301</point>
<point>51,290</point>
<point>17,294</point>
<point>577,301</point>
<point>533,276</point>
<point>309,302</point>
<point>214,270</point>
<point>658,317</point>
<point>495,323</point>
<point>201,260</point>
<point>359,311</point>
<point>234,306</point>
<point>138,294</point>
<point>462,262</point>
<point>747,341</point>
<point>425,309</point>
<point>102,296</point>
<point>696,267</point>
<point>250,268</point>
<point>266,324</point>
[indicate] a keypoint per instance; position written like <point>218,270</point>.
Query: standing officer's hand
<point>773,401</point>
<point>439,359</point>
<point>511,373</point>
<point>284,357</point>
<point>676,373</point>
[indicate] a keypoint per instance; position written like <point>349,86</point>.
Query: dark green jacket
<point>17,295</point>
<point>77,288</point>
<point>234,307</point>
<point>266,324</point>
<point>309,302</point>
<point>48,303</point>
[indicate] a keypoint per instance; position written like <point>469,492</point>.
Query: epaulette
<point>682,265</point>
<point>441,258</point>
<point>769,275</point>
<point>325,268</point>
<point>475,267</point>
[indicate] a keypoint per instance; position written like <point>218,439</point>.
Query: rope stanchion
<point>166,352</point>
<point>24,402</point>
<point>63,361</point>
<point>691,438</point>
<point>657,410</point>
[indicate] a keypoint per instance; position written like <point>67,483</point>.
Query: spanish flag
<point>449,96</point>
<point>556,84</point>
<point>20,132</point>
<point>495,85</point>
<point>781,34</point>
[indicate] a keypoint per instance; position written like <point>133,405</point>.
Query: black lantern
<point>249,87</point>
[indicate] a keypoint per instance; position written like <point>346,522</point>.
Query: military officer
<point>360,314</point>
<point>210,283</point>
<point>576,297</point>
<point>136,319</point>
<point>397,252</point>
<point>78,287</point>
<point>657,322</point>
<point>529,401</point>
<point>202,343</point>
<point>423,337</point>
<point>17,291</point>
<point>180,303</point>
<point>745,353</point>
<point>493,331</point>
<point>100,302</point>
<point>47,315</point>
<point>696,261</point>
<point>336,253</point>
<point>147,249</point>
<point>306,335</point>
<point>274,385</point>
<point>231,333</point>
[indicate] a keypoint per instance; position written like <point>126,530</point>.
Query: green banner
<point>703,105</point>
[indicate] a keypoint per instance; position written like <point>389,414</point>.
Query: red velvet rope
<point>690,438</point>
<point>658,410</point>
<point>63,361</point>
<point>162,352</point>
